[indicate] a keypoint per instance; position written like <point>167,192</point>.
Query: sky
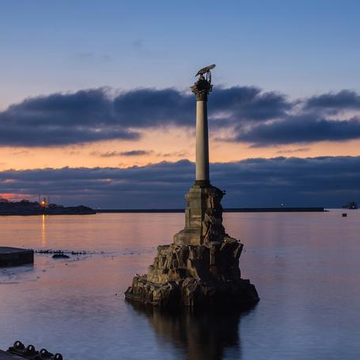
<point>95,106</point>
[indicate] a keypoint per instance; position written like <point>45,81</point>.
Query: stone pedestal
<point>203,216</point>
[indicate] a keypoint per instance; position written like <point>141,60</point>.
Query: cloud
<point>62,119</point>
<point>300,129</point>
<point>341,101</point>
<point>280,122</point>
<point>22,152</point>
<point>124,153</point>
<point>138,44</point>
<point>321,181</point>
<point>248,103</point>
<point>95,115</point>
<point>181,154</point>
<point>248,113</point>
<point>293,151</point>
<point>152,108</point>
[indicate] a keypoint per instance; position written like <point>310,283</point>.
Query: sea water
<point>305,267</point>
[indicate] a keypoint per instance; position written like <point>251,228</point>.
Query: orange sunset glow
<point>169,145</point>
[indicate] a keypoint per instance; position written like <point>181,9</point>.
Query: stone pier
<point>201,266</point>
<point>10,256</point>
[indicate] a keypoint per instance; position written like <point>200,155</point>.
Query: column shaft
<point>202,142</point>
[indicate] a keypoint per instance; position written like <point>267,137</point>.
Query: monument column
<point>201,90</point>
<point>201,266</point>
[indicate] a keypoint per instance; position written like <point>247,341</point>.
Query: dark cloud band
<point>253,116</point>
<point>322,181</point>
<point>300,129</point>
<point>341,101</point>
<point>93,115</point>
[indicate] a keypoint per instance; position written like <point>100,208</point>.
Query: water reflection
<point>17,274</point>
<point>201,335</point>
<point>298,265</point>
<point>43,231</point>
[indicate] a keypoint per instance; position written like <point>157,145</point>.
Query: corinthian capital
<point>201,89</point>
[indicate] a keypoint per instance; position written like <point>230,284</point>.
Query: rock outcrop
<point>201,267</point>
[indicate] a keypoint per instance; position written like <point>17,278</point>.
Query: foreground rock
<point>184,275</point>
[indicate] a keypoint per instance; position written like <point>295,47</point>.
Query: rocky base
<point>193,293</point>
<point>201,266</point>
<point>193,275</point>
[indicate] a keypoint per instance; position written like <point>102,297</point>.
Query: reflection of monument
<point>202,264</point>
<point>200,335</point>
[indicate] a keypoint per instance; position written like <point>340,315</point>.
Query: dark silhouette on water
<point>10,256</point>
<point>202,335</point>
<point>352,205</point>
<point>29,352</point>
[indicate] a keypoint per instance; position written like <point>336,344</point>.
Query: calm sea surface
<point>306,268</point>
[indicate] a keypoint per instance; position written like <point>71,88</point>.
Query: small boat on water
<point>352,205</point>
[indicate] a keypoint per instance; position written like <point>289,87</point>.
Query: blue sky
<point>296,47</point>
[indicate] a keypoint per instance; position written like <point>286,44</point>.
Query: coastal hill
<point>26,207</point>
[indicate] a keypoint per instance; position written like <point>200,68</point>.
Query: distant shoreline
<point>28,208</point>
<point>230,210</point>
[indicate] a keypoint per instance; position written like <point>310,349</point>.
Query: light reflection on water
<point>305,266</point>
<point>43,231</point>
